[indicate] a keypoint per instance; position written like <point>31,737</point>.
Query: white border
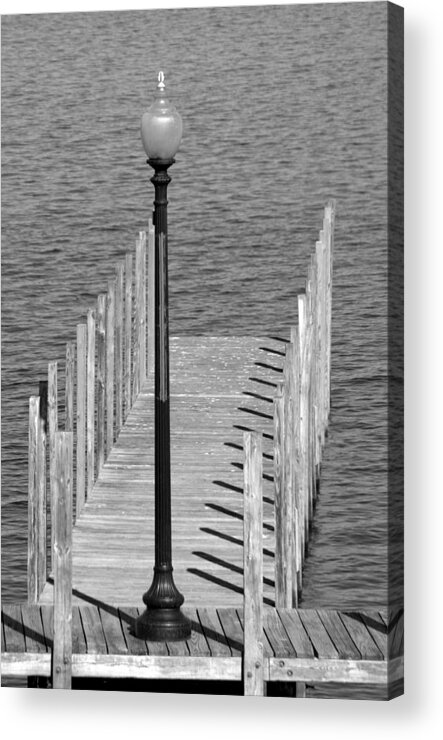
<point>40,713</point>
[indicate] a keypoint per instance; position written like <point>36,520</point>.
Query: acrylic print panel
<point>284,256</point>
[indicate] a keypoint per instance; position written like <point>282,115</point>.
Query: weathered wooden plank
<point>135,646</point>
<point>81,419</point>
<point>360,635</point>
<point>112,629</point>
<point>90,399</point>
<point>13,629</point>
<point>15,665</point>
<point>62,559</point>
<point>158,667</point>
<point>328,670</point>
<point>47,617</point>
<point>296,632</point>
<point>213,632</point>
<point>78,637</point>
<point>345,646</point>
<point>377,629</point>
<point>33,629</point>
<point>197,644</point>
<point>232,629</point>
<point>92,629</point>
<point>397,639</point>
<point>318,635</point>
<point>281,645</point>
<point>178,648</point>
<point>253,565</point>
<point>157,647</point>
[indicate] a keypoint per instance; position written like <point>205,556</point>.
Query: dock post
<point>119,347</point>
<point>36,501</point>
<point>127,373</point>
<point>52,429</point>
<point>62,558</point>
<point>90,401</point>
<point>253,668</point>
<point>81,419</point>
<point>279,486</point>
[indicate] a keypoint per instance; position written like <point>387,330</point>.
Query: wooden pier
<point>249,419</point>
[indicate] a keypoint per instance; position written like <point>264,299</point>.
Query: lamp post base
<point>162,625</point>
<point>163,620</point>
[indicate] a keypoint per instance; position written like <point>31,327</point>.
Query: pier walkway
<point>220,386</point>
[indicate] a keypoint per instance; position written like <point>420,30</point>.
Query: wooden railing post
<point>119,348</point>
<point>110,351</point>
<point>81,419</point>
<point>52,429</point>
<point>289,476</point>
<point>36,501</point>
<point>69,386</point>
<point>253,565</point>
<point>127,375</point>
<point>101,376</point>
<point>90,401</point>
<point>62,557</point>
<point>279,488</point>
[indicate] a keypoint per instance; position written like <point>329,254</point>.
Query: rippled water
<point>283,107</point>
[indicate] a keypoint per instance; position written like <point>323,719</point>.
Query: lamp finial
<point>161,81</point>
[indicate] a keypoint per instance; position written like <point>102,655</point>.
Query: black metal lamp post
<point>161,131</point>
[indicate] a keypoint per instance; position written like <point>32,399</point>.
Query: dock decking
<point>219,387</point>
<point>298,645</point>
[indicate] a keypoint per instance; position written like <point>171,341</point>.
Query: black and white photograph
<point>202,351</point>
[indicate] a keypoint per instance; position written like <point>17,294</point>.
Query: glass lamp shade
<point>161,126</point>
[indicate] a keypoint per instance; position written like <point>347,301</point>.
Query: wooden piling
<point>81,418</point>
<point>62,558</point>
<point>279,488</point>
<point>119,347</point>
<point>52,429</point>
<point>289,476</point>
<point>110,356</point>
<point>90,401</point>
<point>69,386</point>
<point>127,375</point>
<point>36,502</point>
<point>101,375</point>
<point>253,565</point>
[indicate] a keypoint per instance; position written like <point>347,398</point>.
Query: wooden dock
<point>220,386</point>
<point>298,645</point>
<point>249,418</point>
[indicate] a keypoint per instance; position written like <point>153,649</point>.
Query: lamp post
<point>161,130</point>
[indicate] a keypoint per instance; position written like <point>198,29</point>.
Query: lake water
<point>283,107</point>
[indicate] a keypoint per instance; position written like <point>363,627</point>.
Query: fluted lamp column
<point>163,620</point>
